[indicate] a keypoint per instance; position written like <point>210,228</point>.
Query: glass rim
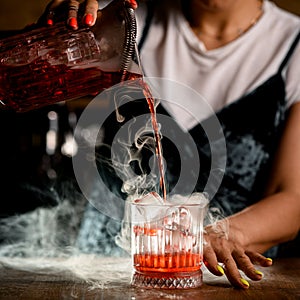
<point>200,205</point>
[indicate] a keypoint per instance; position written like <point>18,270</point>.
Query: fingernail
<point>259,273</point>
<point>50,22</point>
<point>220,269</point>
<point>244,282</point>
<point>88,19</point>
<point>73,22</point>
<point>132,4</point>
<point>269,259</point>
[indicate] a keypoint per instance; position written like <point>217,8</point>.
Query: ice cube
<point>151,198</point>
<point>186,215</point>
<point>177,199</point>
<point>198,198</point>
<point>178,218</point>
<point>148,208</point>
<point>195,198</point>
<point>178,229</point>
<point>184,219</point>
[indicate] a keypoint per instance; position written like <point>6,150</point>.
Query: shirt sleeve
<point>292,78</point>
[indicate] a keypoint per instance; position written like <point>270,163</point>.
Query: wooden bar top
<point>109,278</point>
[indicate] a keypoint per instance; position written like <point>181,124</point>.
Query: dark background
<point>15,14</point>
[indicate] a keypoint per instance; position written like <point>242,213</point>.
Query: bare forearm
<point>273,220</point>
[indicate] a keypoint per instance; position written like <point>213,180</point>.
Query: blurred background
<point>15,14</point>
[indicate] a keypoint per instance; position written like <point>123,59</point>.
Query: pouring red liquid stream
<point>158,147</point>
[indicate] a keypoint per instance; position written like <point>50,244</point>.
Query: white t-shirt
<point>171,50</point>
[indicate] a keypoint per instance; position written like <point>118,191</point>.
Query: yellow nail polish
<point>220,269</point>
<point>259,272</point>
<point>269,259</point>
<point>244,282</point>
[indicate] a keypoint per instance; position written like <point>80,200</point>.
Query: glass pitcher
<point>49,65</point>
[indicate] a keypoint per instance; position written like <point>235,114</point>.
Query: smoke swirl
<point>135,131</point>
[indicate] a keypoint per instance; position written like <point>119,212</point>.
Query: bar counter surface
<point>109,278</point>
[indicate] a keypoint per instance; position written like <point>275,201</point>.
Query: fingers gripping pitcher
<point>52,64</point>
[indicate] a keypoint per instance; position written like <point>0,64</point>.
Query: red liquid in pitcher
<point>38,84</point>
<point>175,262</point>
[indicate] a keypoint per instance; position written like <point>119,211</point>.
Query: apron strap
<point>149,17</point>
<point>290,52</point>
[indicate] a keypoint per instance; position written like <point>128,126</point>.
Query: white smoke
<point>45,231</point>
<point>45,241</point>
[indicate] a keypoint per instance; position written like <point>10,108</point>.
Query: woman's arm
<point>277,216</point>
<point>273,220</point>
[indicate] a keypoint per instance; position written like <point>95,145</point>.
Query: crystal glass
<point>167,244</point>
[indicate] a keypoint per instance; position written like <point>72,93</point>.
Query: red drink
<point>184,261</point>
<point>166,245</point>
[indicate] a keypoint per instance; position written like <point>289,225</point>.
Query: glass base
<point>167,280</point>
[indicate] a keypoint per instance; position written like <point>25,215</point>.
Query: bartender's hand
<point>59,10</point>
<point>224,254</point>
